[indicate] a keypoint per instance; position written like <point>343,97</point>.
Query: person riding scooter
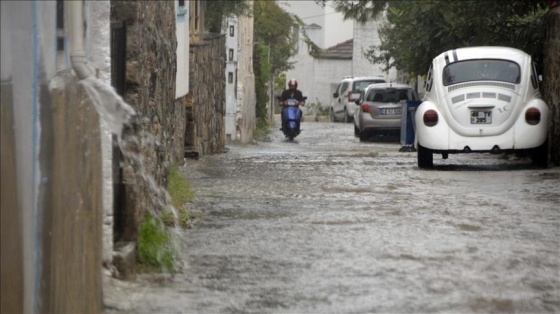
<point>292,93</point>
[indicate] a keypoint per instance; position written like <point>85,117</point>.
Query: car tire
<point>540,156</point>
<point>425,157</point>
<point>333,118</point>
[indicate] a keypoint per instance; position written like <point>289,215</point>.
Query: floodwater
<point>329,224</point>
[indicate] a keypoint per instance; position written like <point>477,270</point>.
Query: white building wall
<point>98,39</point>
<point>182,33</point>
<point>328,72</point>
<point>246,98</point>
<point>365,36</point>
<point>232,39</point>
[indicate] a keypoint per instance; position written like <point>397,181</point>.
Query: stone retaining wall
<point>150,89</point>
<point>551,77</point>
<point>205,125</point>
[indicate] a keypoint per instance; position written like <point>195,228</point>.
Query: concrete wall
<point>365,36</point>
<point>53,161</point>
<point>182,33</point>
<point>231,87</point>
<point>246,97</point>
<point>552,82</point>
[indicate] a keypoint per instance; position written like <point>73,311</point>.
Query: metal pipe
<point>77,51</point>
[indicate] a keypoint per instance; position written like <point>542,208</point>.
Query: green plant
<point>178,187</point>
<point>157,249</point>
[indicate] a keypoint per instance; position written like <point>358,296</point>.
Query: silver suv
<point>347,91</point>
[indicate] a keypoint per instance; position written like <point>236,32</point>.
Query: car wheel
<point>346,117</point>
<point>425,157</point>
<point>333,118</point>
<point>540,155</point>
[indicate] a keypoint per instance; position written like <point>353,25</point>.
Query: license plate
<point>391,111</point>
<point>481,117</point>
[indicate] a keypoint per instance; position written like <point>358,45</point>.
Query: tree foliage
<point>218,10</point>
<point>416,31</point>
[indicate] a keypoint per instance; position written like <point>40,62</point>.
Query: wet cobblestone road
<point>327,224</point>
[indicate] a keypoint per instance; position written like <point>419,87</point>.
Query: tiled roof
<point>342,50</point>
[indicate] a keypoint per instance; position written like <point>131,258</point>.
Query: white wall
<point>28,61</point>
<point>327,73</point>
<point>231,67</point>
<point>182,33</point>
<point>365,36</point>
<point>246,98</point>
<point>98,39</point>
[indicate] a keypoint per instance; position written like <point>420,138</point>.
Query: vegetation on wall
<point>217,11</point>
<point>157,249</point>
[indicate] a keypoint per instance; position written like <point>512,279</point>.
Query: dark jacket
<point>292,94</point>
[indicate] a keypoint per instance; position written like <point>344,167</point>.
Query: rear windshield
<point>481,70</point>
<point>361,85</point>
<point>389,95</point>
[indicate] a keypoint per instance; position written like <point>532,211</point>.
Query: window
<point>181,3</point>
<point>230,57</point>
<point>230,77</point>
<point>481,70</point>
<point>231,30</point>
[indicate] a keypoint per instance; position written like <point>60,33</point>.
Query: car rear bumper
<point>369,123</point>
<point>441,137</point>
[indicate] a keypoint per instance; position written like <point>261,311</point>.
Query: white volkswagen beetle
<point>482,99</point>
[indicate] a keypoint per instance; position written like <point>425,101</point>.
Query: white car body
<point>481,106</point>
<point>347,91</point>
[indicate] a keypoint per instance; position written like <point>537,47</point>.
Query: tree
<point>218,10</point>
<point>417,31</point>
<point>274,47</point>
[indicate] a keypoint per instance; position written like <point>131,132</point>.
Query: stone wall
<point>551,77</point>
<point>158,130</point>
<point>205,125</point>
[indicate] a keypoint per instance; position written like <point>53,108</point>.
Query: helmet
<point>292,82</point>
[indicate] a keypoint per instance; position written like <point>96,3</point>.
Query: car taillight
<point>430,118</point>
<point>533,116</point>
<point>365,108</point>
<point>349,96</point>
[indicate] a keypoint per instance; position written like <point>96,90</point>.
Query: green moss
<point>156,248</point>
<point>181,193</point>
<point>179,188</point>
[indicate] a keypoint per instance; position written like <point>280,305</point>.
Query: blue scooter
<point>291,118</point>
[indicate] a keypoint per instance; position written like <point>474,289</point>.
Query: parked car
<point>347,91</point>
<point>482,99</point>
<point>379,109</point>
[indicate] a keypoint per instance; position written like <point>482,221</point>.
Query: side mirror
<point>335,95</point>
<point>304,98</point>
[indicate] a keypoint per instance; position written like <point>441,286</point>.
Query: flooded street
<point>328,224</point>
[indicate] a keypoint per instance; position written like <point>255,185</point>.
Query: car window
<point>344,87</point>
<point>361,85</point>
<point>391,95</point>
<point>481,70</point>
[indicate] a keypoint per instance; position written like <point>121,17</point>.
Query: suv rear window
<point>361,85</point>
<point>393,95</point>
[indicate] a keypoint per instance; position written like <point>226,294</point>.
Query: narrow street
<point>327,224</point>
